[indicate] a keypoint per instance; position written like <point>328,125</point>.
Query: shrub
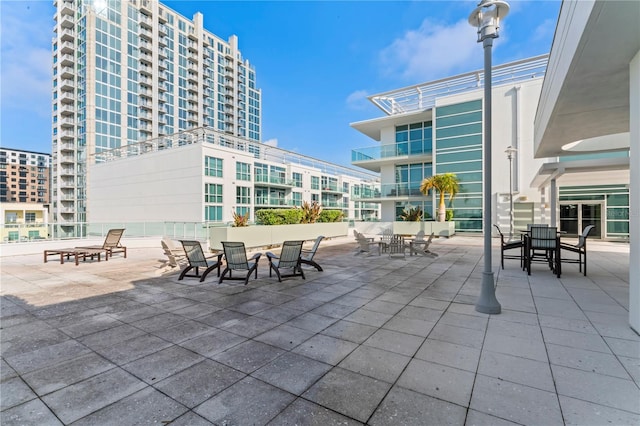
<point>240,220</point>
<point>330,216</point>
<point>278,216</point>
<point>310,212</point>
<point>448,216</point>
<point>413,214</point>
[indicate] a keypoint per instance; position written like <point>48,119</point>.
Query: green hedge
<point>278,216</point>
<point>293,216</point>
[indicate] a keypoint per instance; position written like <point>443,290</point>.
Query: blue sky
<point>316,61</point>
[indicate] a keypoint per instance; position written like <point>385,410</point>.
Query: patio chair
<point>542,245</point>
<point>307,255</point>
<point>580,248</point>
<point>197,259</point>
<point>235,255</point>
<point>366,245</point>
<point>175,254</point>
<point>510,245</point>
<point>385,240</point>
<point>397,247</point>
<point>111,243</point>
<point>289,259</point>
<point>421,246</point>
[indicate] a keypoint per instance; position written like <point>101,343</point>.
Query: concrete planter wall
<point>441,229</point>
<point>267,235</point>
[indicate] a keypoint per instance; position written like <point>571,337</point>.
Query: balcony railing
<point>390,151</point>
<point>274,180</point>
<point>390,190</point>
<point>275,202</point>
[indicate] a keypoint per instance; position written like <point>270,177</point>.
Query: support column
<point>634,190</point>
<point>553,195</point>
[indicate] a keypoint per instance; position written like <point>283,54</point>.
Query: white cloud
<point>545,30</point>
<point>432,51</point>
<point>358,100</point>
<point>26,56</point>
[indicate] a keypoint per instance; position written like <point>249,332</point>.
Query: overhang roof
<point>372,127</point>
<point>585,93</point>
<point>581,172</point>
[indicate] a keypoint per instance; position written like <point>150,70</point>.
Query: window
<point>243,210</point>
<point>315,182</point>
<point>297,179</point>
<point>213,213</point>
<point>212,166</point>
<point>243,171</point>
<point>212,193</point>
<point>30,217</point>
<point>11,217</point>
<point>296,197</point>
<point>243,195</point>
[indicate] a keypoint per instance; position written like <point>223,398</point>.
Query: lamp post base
<point>487,302</point>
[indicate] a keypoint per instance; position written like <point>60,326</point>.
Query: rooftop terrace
<point>370,340</point>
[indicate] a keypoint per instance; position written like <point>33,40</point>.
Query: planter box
<point>268,235</point>
<point>440,229</point>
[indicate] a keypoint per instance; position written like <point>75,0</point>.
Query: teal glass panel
<point>467,213</point>
<point>459,108</point>
<point>402,136</point>
<point>598,156</point>
<point>468,225</point>
<point>467,202</point>
<point>415,135</point>
<point>456,157</point>
<point>471,187</point>
<point>618,200</point>
<point>619,213</point>
<point>469,177</point>
<point>581,197</point>
<point>470,117</point>
<point>459,142</point>
<point>462,130</point>
<point>618,228</point>
<point>460,167</point>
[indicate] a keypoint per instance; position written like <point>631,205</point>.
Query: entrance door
<point>574,217</point>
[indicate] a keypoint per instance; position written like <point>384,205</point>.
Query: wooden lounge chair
<point>580,248</point>
<point>385,240</point>
<point>420,246</point>
<point>197,259</point>
<point>235,255</point>
<point>367,245</point>
<point>111,243</point>
<point>175,254</point>
<point>289,259</point>
<point>307,255</point>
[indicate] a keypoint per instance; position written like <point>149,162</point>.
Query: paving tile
<point>632,365</point>
<point>326,349</point>
<point>394,341</point>
<point>384,307</point>
<point>183,331</point>
<point>334,310</point>
<point>597,388</point>
<point>458,335</point>
<point>364,316</point>
<point>46,355</point>
<point>57,376</point>
<point>514,329</point>
<point>249,327</point>
<point>476,418</point>
<point>80,399</point>
<point>519,347</point>
<point>535,374</point>
<point>191,419</point>
<point>559,308</point>
<point>292,372</point>
<point>416,409</point>
<point>213,342</point>
<point>284,336</point>
<point>413,326</point>
<point>348,393</point>
<point>353,301</point>
<point>34,412</point>
<point>29,340</point>
<point>581,359</point>
<point>248,402</point>
<point>197,383</point>
<point>147,406</point>
<point>251,307</point>
<point>248,356</point>
<point>278,314</point>
<point>164,363</point>
<point>591,342</point>
<point>450,354</point>
<point>111,336</point>
<point>438,381</point>
<point>623,347</point>
<point>514,402</point>
<point>303,412</point>
<point>222,318</point>
<point>15,392</point>
<point>577,412</point>
<point>351,331</point>
<point>129,350</point>
<point>311,322</point>
<point>196,310</point>
<point>375,363</point>
<point>417,312</point>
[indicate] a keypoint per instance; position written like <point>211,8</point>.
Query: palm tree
<point>443,183</point>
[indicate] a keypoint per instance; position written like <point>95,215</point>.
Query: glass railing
<point>390,151</point>
<point>389,190</point>
<point>31,232</point>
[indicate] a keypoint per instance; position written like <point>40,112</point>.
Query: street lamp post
<point>486,18</point>
<point>510,151</point>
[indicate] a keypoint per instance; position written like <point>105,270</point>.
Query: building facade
<point>437,127</point>
<point>24,194</point>
<point>129,71</point>
<point>205,176</point>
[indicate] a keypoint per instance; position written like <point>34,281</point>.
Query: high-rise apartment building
<point>129,71</point>
<point>24,194</point>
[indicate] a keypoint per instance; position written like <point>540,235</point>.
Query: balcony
<point>145,21</point>
<point>66,110</point>
<point>274,181</point>
<point>145,46</point>
<point>67,85</point>
<point>271,202</point>
<point>66,98</point>
<point>67,159</point>
<point>67,72</point>
<point>66,134</point>
<point>67,60</point>
<point>145,69</point>
<point>145,57</point>
<point>372,158</point>
<point>67,47</point>
<point>67,122</point>
<point>144,81</point>
<point>65,7</point>
<point>67,21</point>
<point>145,33</point>
<point>67,146</point>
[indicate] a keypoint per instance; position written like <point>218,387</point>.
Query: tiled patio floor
<point>370,340</point>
